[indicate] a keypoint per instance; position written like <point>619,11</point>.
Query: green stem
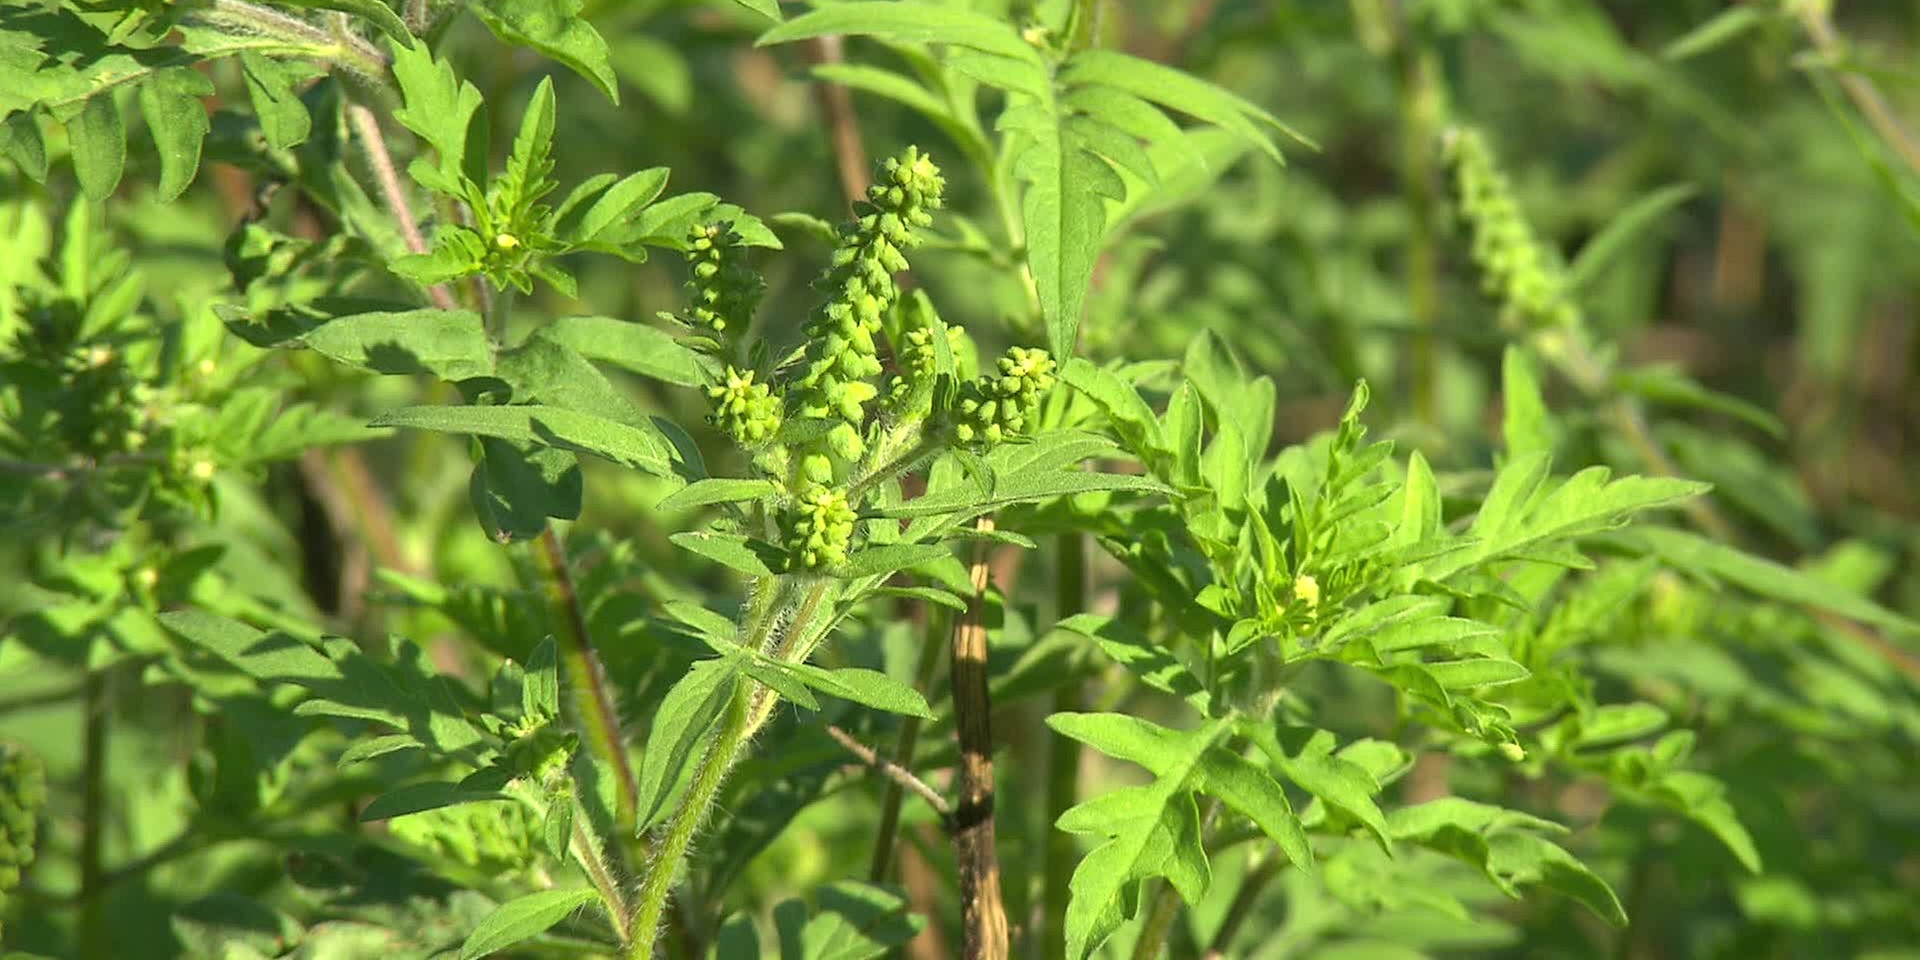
<point>352,52</point>
<point>711,773</point>
<point>745,713</point>
<point>1419,130</point>
<point>590,699</point>
<point>1063,761</point>
<point>93,815</point>
<point>932,645</point>
<point>917,454</point>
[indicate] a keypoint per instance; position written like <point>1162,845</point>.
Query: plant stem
<point>590,699</point>
<point>905,745</point>
<point>590,856</point>
<point>1815,21</point>
<point>707,778</point>
<point>843,123</point>
<point>983,914</point>
<point>748,709</point>
<point>1251,887</point>
<point>898,775</point>
<point>93,815</point>
<point>1420,108</point>
<point>350,51</point>
<point>366,126</point>
<point>1063,761</point>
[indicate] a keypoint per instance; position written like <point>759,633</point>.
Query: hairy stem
<point>657,885</point>
<point>1063,761</point>
<point>904,747</point>
<point>366,128</point>
<point>748,709</point>
<point>346,49</point>
<point>589,698</point>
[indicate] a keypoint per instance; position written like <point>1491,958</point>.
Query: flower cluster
<point>997,406</point>
<point>745,410</point>
<point>23,792</point>
<point>841,357</point>
<point>1515,268</point>
<point>917,362</point>
<point>817,529</point>
<point>725,290</point>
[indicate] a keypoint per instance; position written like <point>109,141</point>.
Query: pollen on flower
<point>202,470</point>
<point>1307,589</point>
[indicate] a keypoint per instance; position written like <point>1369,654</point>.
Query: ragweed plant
<point>425,532</point>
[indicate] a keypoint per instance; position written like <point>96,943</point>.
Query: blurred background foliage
<point>1758,323</point>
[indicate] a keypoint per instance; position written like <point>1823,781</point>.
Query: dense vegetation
<point>959,478</point>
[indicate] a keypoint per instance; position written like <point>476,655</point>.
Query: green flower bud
<point>817,529</point>
<point>998,406</point>
<point>23,792</point>
<point>841,353</point>
<point>724,290</point>
<point>744,410</point>
<point>1515,268</point>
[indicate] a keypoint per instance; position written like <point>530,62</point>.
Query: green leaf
<point>1337,781</point>
<point>1467,674</point>
<point>630,346</point>
<point>555,28</point>
<point>1717,30</point>
<point>1180,91</point>
<point>1525,512</point>
<point>680,724</point>
<point>1151,831</point>
<point>372,11</point>
<point>1066,186</point>
<point>1526,426</point>
<point>450,344</point>
<point>276,104</point>
<point>1670,386</point>
<point>516,487</point>
<point>714,490</point>
<point>1703,557</point>
<point>540,687</point>
<point>884,560</point>
<point>445,111</point>
<point>98,139</point>
<point>751,557</point>
<point>869,688</point>
<point>22,142</point>
<point>766,8</point>
<point>853,921</point>
<point>177,119</point>
<point>634,445</point>
<point>523,918</point>
<point>1621,231</point>
<point>589,213</point>
<point>720,631</point>
<point>907,21</point>
<point>420,797</point>
<point>1153,663</point>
